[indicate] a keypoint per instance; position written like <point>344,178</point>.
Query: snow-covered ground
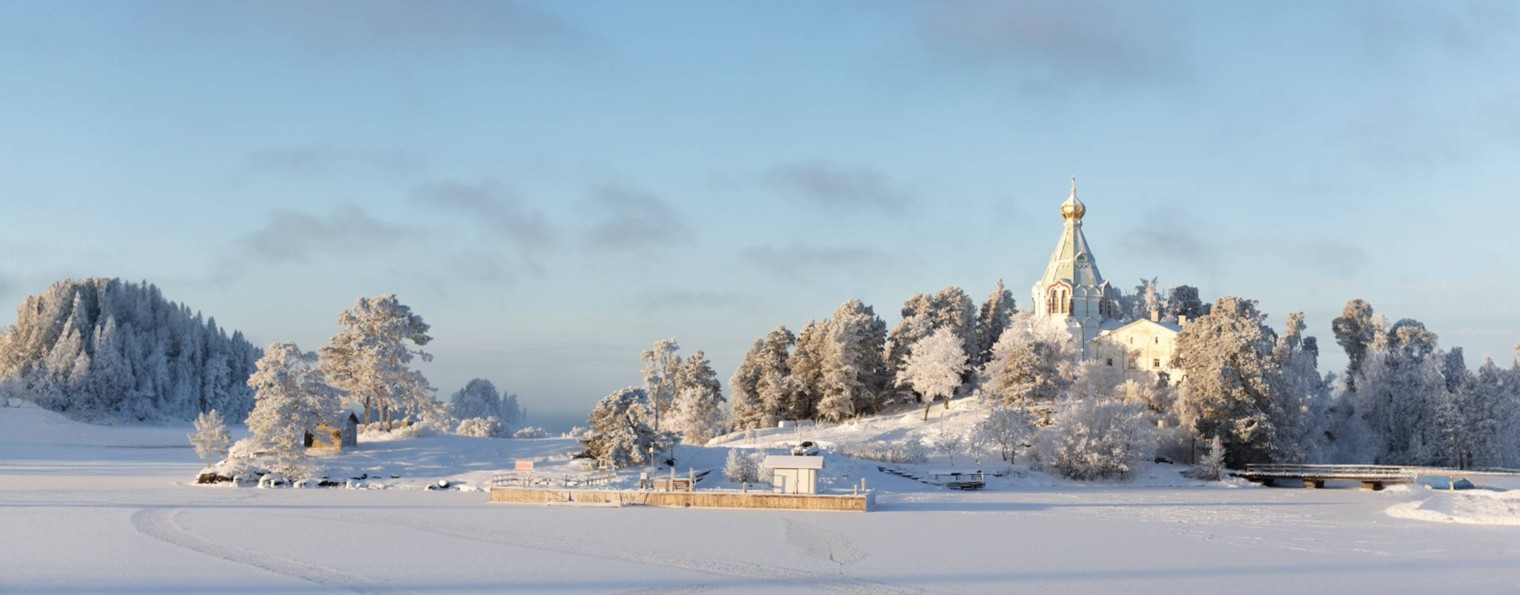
<point>112,509</point>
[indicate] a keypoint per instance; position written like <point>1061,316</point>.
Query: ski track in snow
<point>837,583</point>
<point>817,542</point>
<point>159,523</point>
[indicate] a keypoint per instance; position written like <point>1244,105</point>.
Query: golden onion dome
<point>1073,208</point>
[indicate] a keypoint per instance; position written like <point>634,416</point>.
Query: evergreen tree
<point>698,407</point>
<point>748,410</point>
<point>102,349</point>
<point>853,372</point>
<point>290,398</point>
<point>622,429</point>
<point>996,314</point>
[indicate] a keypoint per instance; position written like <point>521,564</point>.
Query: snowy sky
<point>555,186</point>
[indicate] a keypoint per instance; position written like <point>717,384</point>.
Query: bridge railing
<point>1331,471</point>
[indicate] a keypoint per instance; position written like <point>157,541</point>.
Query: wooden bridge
<point>1372,477</point>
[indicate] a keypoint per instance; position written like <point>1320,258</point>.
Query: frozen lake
<point>115,513</point>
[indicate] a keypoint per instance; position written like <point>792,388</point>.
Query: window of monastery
<point>1155,362</point>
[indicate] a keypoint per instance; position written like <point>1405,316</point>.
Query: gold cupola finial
<point>1073,208</point>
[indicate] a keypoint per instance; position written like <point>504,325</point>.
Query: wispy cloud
<point>1060,42</point>
<point>1168,239</point>
<point>1338,257</point>
<point>297,237</point>
<point>503,214</point>
<point>405,22</point>
<point>627,218</point>
<point>804,261</point>
<point>686,299</point>
<point>827,185</point>
<point>323,160</point>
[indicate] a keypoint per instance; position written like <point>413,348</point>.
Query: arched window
<point>1060,299</point>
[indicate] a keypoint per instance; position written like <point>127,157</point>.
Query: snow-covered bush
<point>577,432</point>
<point>481,427</point>
<point>531,432</point>
<point>1007,428</point>
<point>911,452</point>
<point>950,444</point>
<point>742,466</point>
<point>1211,466</point>
<point>1093,439</point>
<point>211,439</point>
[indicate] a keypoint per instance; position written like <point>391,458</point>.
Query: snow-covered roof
<point>793,462</point>
<point>1137,324</point>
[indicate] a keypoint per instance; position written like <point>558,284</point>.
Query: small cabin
<point>328,437</point>
<point>794,474</point>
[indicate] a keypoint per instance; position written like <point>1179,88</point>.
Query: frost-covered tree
<point>742,467</point>
<point>1355,329</point>
<point>1399,388</point>
<point>949,444</point>
<point>661,364</point>
<point>1006,427</point>
<point>106,350</point>
<point>1024,372</point>
<point>211,439</point>
<point>1232,386</point>
<point>934,367</point>
<point>479,399</point>
<point>853,372</point>
<point>757,385</point>
<point>1183,300</point>
<point>805,368</point>
<point>1211,467</point>
<point>369,357</point>
<point>291,397</point>
<point>994,318</point>
<point>1148,301</point>
<point>481,427</point>
<point>697,412</point>
<point>1301,391</point>
<point>622,429</point>
<point>1095,439</point>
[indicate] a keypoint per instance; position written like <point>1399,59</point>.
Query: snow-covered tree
<point>757,386</point>
<point>622,429</point>
<point>1399,388</point>
<point>1025,372</point>
<point>1232,386</point>
<point>1355,329</point>
<point>481,427</point>
<point>934,367</point>
<point>949,444</point>
<point>211,439</point>
<point>805,367</point>
<point>1183,300</point>
<point>291,397</point>
<point>1095,439</point>
<point>853,372</point>
<point>1006,427</point>
<point>105,350</point>
<point>742,467</point>
<point>661,364</point>
<point>995,316</point>
<point>697,412</point>
<point>479,399</point>
<point>1211,467</point>
<point>369,357</point>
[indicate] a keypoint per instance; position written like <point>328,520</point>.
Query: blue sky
<point>554,186</point>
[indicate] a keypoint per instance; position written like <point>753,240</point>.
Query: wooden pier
<point>1372,477</point>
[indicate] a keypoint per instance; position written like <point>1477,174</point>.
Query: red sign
<point>524,465</point>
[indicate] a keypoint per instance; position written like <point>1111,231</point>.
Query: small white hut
<point>329,437</point>
<point>794,474</point>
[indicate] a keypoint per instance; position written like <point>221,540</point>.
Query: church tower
<point>1072,290</point>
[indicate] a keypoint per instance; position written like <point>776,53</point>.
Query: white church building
<point>1073,292</point>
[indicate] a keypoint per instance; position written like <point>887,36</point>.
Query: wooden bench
<point>960,480</point>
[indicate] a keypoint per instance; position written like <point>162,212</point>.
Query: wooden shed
<point>794,474</point>
<point>329,437</point>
